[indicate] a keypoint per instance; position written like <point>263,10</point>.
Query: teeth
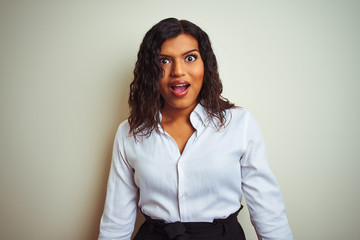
<point>180,85</point>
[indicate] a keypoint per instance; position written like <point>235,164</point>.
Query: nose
<point>177,69</point>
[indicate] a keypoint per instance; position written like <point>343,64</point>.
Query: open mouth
<point>180,90</point>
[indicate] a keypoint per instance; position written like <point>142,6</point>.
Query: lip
<point>179,83</point>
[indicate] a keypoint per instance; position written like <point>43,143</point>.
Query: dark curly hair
<point>145,100</point>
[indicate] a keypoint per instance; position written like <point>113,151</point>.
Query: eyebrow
<point>192,50</point>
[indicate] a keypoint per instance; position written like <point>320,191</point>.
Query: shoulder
<point>239,114</point>
<point>123,134</point>
<point>123,130</point>
<point>250,127</point>
<point>239,117</point>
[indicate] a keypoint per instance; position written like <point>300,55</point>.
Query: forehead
<point>179,45</point>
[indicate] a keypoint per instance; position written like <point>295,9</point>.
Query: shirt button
<point>180,165</point>
<point>183,196</point>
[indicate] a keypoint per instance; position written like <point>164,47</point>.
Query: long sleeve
<point>119,214</point>
<point>261,190</point>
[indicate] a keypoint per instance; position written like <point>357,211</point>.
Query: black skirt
<point>219,229</point>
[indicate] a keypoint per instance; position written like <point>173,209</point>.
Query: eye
<point>164,61</point>
<point>191,58</point>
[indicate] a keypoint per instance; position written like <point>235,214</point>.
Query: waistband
<point>183,230</point>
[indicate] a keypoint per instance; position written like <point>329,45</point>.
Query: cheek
<point>198,72</point>
<point>166,71</point>
<point>163,86</point>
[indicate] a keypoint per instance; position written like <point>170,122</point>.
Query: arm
<point>261,191</point>
<point>117,221</point>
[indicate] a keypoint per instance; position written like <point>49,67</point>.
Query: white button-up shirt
<point>205,182</point>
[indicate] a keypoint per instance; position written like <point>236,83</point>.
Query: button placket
<point>181,190</point>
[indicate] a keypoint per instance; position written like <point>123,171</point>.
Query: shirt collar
<point>199,116</point>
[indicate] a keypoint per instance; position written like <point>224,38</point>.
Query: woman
<point>186,155</point>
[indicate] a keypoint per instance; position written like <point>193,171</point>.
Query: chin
<point>182,104</point>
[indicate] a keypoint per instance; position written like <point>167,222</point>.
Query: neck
<point>170,114</point>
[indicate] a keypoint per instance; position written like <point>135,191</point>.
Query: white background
<point>64,81</point>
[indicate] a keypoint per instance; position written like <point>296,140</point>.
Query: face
<point>183,72</point>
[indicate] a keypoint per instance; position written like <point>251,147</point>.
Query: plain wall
<point>64,80</point>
